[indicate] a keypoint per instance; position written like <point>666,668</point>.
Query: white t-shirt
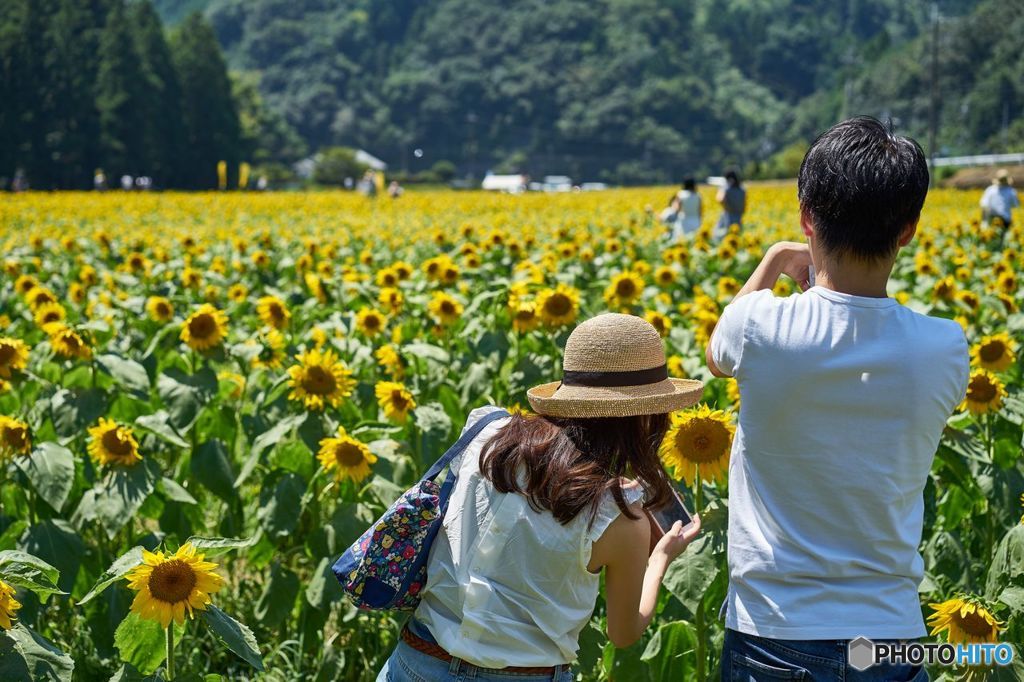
<point>843,401</point>
<point>508,585</point>
<point>689,207</point>
<point>1000,200</point>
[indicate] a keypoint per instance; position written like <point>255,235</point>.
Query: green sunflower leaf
<point>50,468</point>
<point>30,572</point>
<point>121,566</point>
<point>234,635</point>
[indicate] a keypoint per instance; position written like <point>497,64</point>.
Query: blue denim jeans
<point>756,659</point>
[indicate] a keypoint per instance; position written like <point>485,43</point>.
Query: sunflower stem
<point>170,651</point>
<point>698,492</point>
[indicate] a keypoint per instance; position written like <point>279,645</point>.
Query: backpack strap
<point>462,443</point>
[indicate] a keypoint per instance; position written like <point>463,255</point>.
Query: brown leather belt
<point>431,649</point>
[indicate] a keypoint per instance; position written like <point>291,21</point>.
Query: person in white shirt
<point>690,210</point>
<point>541,508</point>
<point>999,199</point>
<point>844,396</point>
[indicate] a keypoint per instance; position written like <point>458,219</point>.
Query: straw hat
<point>1002,177</point>
<point>614,366</point>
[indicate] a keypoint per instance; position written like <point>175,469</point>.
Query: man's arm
<point>789,258</point>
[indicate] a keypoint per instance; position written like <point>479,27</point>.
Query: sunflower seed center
<point>319,381</point>
<point>172,581</point>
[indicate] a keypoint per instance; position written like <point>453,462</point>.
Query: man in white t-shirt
<point>844,396</point>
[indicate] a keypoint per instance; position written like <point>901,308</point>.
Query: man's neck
<point>855,278</point>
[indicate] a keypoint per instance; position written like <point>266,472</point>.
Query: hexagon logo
<point>861,652</point>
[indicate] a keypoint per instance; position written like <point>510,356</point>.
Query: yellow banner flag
<point>243,175</point>
<point>222,175</point>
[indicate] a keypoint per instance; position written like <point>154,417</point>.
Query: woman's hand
<point>675,540</point>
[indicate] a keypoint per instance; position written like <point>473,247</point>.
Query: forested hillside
<point>626,90</point>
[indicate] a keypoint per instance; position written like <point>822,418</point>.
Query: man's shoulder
<point>934,331</point>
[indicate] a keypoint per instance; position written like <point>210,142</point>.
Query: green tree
<point>72,118</point>
<point>165,130</point>
<point>122,93</point>
<point>212,128</point>
<point>335,164</point>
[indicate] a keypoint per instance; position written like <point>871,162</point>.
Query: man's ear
<point>908,232</point>
<point>806,224</point>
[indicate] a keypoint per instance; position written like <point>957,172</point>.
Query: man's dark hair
<point>733,177</point>
<point>690,184</point>
<point>860,186</point>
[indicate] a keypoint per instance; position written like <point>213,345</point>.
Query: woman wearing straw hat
<point>543,504</point>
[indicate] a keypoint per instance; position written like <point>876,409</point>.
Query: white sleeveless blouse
<point>506,585</point>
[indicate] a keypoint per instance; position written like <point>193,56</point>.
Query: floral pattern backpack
<point>386,568</point>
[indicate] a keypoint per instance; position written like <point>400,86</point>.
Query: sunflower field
<point>205,398</point>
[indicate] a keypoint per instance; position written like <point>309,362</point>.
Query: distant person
<point>20,182</point>
<point>395,190</point>
<point>368,186</point>
<point>127,182</point>
<point>690,209</point>
<point>670,214</point>
<point>262,183</point>
<point>99,180</point>
<point>999,200</point>
<point>733,199</point>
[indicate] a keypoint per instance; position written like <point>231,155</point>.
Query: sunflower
<point>624,288</point>
<point>559,306</point>
<point>205,328</point>
<point>25,284</point>
<point>13,356</point>
<point>395,399</point>
<point>445,309</point>
<point>659,321</point>
<point>698,443</point>
<point>391,298</point>
<point>347,457</point>
<point>273,312</point>
<point>171,586</point>
<point>370,321</point>
<point>69,343</point>
<point>665,276</point>
<point>727,287</point>
<point>704,324</point>
<point>320,379</point>
<point>945,289</point>
<point>386,278</point>
<point>389,358</point>
<point>39,296</point>
<point>159,309</point>
<point>315,286</point>
<point>965,621</point>
<point>732,391</point>
<point>271,354</point>
<point>985,393</point>
<point>191,278</point>
<point>49,314</point>
<point>15,437</point>
<point>111,443</point>
<point>676,368</point>
<point>524,316</point>
<point>8,606</point>
<point>996,353</point>
<point>238,292</point>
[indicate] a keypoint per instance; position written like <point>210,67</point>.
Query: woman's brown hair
<point>566,465</point>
